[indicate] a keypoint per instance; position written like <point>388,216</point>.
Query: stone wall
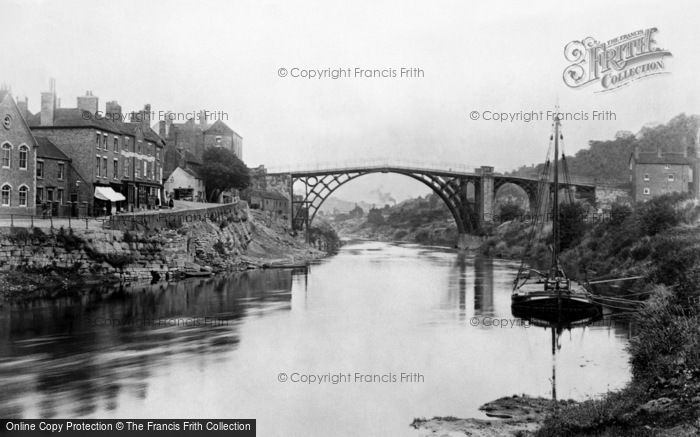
<point>225,238</point>
<point>120,255</point>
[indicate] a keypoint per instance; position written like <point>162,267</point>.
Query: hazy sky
<point>184,56</point>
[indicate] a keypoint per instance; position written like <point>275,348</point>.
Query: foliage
<point>511,211</point>
<point>572,224</point>
<point>660,213</point>
<point>375,217</point>
<point>619,213</point>
<point>222,170</point>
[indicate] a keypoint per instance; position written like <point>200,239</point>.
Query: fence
<point>51,222</point>
<point>159,219</point>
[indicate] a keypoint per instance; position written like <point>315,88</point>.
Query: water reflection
<point>83,351</point>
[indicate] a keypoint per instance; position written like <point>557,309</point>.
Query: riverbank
<point>512,416</point>
<point>35,263</point>
<point>660,241</point>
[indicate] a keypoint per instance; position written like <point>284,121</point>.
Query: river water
<point>217,347</point>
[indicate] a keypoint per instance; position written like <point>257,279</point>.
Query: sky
<point>225,56</point>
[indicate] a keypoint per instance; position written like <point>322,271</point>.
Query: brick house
<point>195,137</point>
<point>17,158</point>
<point>55,181</point>
<point>116,165</point>
<point>655,173</point>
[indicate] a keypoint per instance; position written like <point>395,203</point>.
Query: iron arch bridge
<point>450,185</point>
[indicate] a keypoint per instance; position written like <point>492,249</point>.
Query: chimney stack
<point>48,104</point>
<point>113,111</point>
<point>88,103</point>
<point>203,119</point>
<point>146,118</point>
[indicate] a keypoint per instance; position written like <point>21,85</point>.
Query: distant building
<point>266,201</point>
<point>655,173</point>
<point>17,158</point>
<point>191,138</point>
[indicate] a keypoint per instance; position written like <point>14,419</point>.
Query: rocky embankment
<point>35,261</point>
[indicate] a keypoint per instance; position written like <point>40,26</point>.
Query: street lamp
<point>77,196</point>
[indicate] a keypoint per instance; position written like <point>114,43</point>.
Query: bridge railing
<point>454,167</point>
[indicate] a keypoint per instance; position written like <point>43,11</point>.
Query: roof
<point>47,149</point>
<point>77,118</point>
<point>219,127</point>
<point>665,158</point>
<point>192,172</point>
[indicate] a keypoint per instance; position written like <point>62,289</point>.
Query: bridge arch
<point>451,190</point>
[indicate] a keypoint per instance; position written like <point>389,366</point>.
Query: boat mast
<point>555,201</point>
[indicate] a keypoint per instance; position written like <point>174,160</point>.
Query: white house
<point>185,184</point>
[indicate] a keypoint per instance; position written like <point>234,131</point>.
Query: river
<point>240,345</point>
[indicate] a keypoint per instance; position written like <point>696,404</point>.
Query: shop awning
<point>106,193</point>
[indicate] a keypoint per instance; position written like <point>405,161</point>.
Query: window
<point>59,196</point>
<point>97,140</point>
<point>145,168</point>
<point>137,169</point>
<point>40,169</point>
<point>23,195</point>
<point>104,167</point>
<point>115,173</point>
<point>104,141</point>
<point>23,151</point>
<point>138,147</point>
<point>158,154</point>
<point>127,145</point>
<point>116,144</point>
<point>98,171</point>
<point>646,176</point>
<point>6,155</point>
<point>149,167</point>
<point>61,171</point>
<point>647,191</point>
<point>126,167</point>
<point>671,178</point>
<point>218,141</point>
<point>5,195</point>
<point>39,195</point>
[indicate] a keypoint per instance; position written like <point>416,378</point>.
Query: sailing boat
<point>550,294</point>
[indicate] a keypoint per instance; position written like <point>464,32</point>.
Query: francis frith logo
<point>616,62</point>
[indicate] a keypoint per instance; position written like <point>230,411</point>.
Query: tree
<point>222,170</point>
<point>571,224</point>
<point>511,211</point>
<point>375,217</point>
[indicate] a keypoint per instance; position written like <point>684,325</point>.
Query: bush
<point>69,240</point>
<point>619,213</point>
<point>660,213</point>
<point>129,237</point>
